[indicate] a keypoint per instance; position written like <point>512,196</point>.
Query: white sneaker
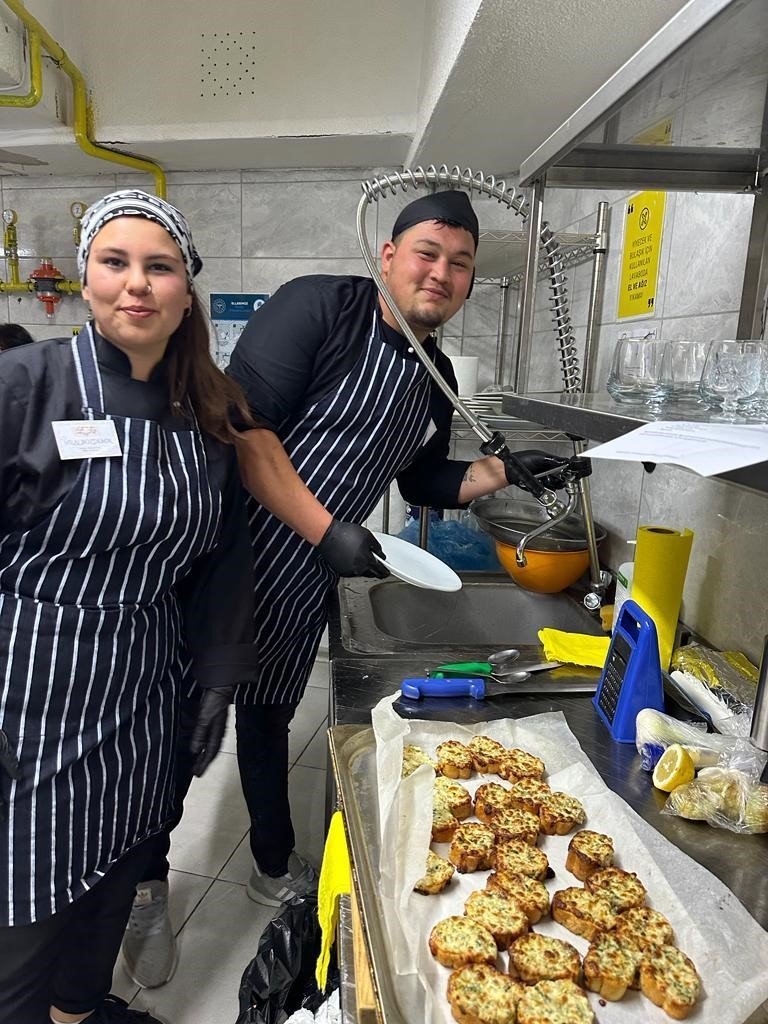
<point>299,879</point>
<point>149,945</point>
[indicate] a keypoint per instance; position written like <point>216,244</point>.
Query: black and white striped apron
<point>347,448</point>
<point>91,656</point>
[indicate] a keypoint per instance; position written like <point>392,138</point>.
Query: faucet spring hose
<point>417,177</point>
<point>568,353</point>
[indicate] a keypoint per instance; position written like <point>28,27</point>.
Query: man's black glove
<point>210,725</point>
<point>9,765</point>
<point>536,462</point>
<point>349,550</point>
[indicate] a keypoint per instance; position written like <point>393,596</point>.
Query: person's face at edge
<point>128,255</point>
<point>429,273</point>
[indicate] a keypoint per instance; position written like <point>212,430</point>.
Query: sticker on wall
<point>643,224</point>
<point>659,134</point>
<point>230,312</point>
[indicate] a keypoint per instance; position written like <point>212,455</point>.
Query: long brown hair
<point>193,374</point>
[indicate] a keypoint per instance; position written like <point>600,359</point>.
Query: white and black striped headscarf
<point>132,202</point>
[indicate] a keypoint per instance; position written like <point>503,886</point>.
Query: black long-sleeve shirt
<point>38,385</point>
<point>299,345</point>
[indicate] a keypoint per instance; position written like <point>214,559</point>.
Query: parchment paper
<point>728,947</point>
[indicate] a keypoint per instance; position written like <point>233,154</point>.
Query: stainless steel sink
<point>489,613</point>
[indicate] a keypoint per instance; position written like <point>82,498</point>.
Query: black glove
<point>8,764</point>
<point>539,462</point>
<point>210,725</point>
<point>349,550</point>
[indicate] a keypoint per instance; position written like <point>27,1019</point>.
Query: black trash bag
<point>281,977</point>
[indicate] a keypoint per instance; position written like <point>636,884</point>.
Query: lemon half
<point>674,768</point>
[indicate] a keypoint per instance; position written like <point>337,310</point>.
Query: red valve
<point>44,279</point>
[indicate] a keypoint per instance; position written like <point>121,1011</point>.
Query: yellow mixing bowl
<point>546,572</point>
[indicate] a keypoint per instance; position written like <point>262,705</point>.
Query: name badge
<point>86,439</point>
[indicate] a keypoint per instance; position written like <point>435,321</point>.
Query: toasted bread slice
<point>456,941</point>
<point>559,813</point>
<point>622,889</point>
<point>610,966</point>
<point>490,798</point>
<point>531,894</point>
<point>454,760</point>
<point>512,823</point>
<point>535,957</point>
<point>438,875</point>
<point>582,913</point>
<point>480,994</point>
<point>517,857</point>
<point>644,927</point>
<point>473,847</point>
<point>519,764</point>
<point>487,754</point>
<point>588,852</point>
<point>454,796</point>
<point>527,794</point>
<point>554,1002</point>
<point>414,757</point>
<point>501,915</point>
<point>444,823</point>
<point>669,979</point>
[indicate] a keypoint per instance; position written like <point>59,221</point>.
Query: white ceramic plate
<point>416,566</point>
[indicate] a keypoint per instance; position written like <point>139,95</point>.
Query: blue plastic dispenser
<point>631,679</point>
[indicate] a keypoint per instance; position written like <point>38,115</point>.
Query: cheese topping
<point>520,858</point>
<point>622,889</point>
<point>537,957</point>
<point>519,764</point>
<point>554,1002</point>
<point>480,991</point>
<point>644,927</point>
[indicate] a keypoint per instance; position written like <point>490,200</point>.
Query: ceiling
<point>296,83</point>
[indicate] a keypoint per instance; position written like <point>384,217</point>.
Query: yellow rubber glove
<point>574,648</point>
<point>335,880</point>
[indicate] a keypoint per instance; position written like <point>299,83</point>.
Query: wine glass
<point>756,407</point>
<point>731,374</point>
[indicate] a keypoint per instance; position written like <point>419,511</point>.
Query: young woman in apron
<point>124,556</point>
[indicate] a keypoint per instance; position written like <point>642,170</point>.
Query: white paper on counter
<point>727,945</point>
<point>706,448</point>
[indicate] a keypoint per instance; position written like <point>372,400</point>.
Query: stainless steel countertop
<point>740,861</point>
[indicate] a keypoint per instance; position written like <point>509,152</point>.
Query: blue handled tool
<point>415,689</point>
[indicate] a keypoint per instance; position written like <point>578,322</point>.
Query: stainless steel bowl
<point>509,519</point>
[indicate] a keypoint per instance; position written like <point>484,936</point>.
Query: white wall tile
<point>214,215</point>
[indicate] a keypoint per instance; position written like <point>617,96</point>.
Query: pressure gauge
<point>77,209</point>
<point>10,216</point>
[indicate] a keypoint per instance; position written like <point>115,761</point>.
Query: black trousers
<point>262,757</point>
<point>67,960</point>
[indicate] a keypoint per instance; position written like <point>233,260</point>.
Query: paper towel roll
<point>465,368</point>
<point>661,562</point>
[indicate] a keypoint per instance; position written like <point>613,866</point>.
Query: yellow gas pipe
<point>83,112</point>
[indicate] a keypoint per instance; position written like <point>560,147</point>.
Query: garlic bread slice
<point>456,941</point>
<point>479,994</point>
<point>537,957</point>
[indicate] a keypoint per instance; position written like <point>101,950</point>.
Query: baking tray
<point>353,754</point>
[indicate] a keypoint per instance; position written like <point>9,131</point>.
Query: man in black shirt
<point>343,407</point>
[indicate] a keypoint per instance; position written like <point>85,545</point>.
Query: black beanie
<point>451,205</point>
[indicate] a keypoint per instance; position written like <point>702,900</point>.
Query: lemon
<point>674,768</point>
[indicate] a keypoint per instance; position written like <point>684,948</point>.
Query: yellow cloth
<point>574,648</point>
<point>335,879</point>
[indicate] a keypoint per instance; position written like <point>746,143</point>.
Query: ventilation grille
<point>228,63</point>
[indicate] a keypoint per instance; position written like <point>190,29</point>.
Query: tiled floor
<point>218,927</point>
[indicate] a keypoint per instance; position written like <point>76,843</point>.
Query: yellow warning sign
<point>659,134</point>
<point>643,223</point>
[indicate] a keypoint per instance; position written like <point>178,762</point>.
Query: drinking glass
<point>756,407</point>
<point>682,364</point>
<point>635,369</point>
<point>731,372</point>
